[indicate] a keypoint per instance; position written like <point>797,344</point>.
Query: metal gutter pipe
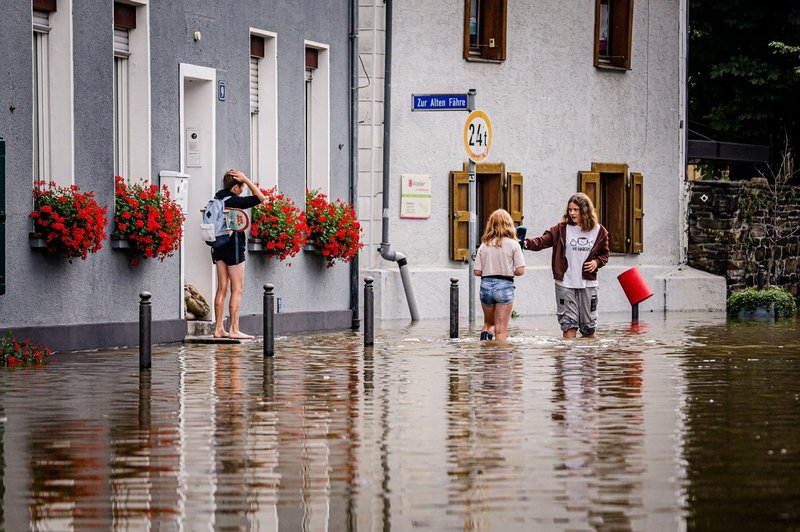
<point>353,142</point>
<point>386,248</point>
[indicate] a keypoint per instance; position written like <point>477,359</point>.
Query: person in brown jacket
<point>580,248</point>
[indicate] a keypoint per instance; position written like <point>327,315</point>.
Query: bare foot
<point>240,336</point>
<point>222,334</point>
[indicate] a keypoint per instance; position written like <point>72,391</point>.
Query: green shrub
<point>750,299</point>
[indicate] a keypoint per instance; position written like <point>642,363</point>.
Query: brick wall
<point>731,231</point>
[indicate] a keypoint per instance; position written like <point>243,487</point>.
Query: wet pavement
<point>686,421</point>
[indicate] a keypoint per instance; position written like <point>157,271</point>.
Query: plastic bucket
<point>634,286</point>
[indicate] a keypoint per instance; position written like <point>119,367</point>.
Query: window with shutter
<point>459,216</point>
<point>613,33</point>
<point>514,197</point>
<point>637,212</point>
<point>618,198</point>
<point>485,30</point>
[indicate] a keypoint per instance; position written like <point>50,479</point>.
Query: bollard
<point>453,307</point>
<point>760,277</point>
<point>269,321</point>
<point>369,312</point>
<point>635,312</point>
<point>145,314</point>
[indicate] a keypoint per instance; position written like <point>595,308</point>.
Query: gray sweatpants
<point>576,308</point>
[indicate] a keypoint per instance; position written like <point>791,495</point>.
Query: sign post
<point>478,143</point>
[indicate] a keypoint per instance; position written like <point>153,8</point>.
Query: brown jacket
<point>556,237</point>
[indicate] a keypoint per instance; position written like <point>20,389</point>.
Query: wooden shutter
<point>493,36</point>
<point>459,216</point>
<point>620,33</point>
<point>589,184</point>
<point>514,197</point>
<point>636,203</point>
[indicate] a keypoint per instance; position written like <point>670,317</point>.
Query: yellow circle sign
<point>478,136</point>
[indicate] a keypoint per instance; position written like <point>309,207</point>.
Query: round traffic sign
<point>478,136</point>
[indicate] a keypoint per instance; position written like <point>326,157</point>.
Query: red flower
<point>333,227</point>
<point>280,224</point>
<point>14,352</point>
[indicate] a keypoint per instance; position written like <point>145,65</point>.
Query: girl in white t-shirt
<point>498,260</point>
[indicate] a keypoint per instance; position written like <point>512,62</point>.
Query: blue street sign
<point>438,102</point>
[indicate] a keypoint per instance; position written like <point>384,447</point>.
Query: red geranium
<point>333,227</point>
<point>148,218</point>
<point>71,222</point>
<point>279,224</point>
<point>15,352</point>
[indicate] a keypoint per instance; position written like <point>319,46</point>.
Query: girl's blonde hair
<point>499,226</point>
<point>588,214</point>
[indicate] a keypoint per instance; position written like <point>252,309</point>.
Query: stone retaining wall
<point>731,232</point>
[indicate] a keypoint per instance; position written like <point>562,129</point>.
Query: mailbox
<point>178,185</point>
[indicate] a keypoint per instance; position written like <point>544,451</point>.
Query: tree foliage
<point>744,70</point>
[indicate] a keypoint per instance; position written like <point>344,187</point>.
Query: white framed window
<point>131,89</point>
<point>52,95</point>
<point>317,116</point>
<point>263,108</point>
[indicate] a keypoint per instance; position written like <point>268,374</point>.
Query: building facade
<point>177,93</point>
<point>581,97</point>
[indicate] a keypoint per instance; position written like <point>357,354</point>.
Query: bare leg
<point>223,281</point>
<point>488,319</point>
<point>570,333</point>
<point>237,287</point>
<point>502,317</point>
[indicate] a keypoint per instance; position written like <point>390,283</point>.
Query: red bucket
<point>634,286</point>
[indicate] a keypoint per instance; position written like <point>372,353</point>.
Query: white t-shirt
<point>491,260</point>
<point>578,246</point>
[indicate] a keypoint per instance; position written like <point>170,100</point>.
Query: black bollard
<point>635,312</point>
<point>369,312</point>
<point>145,315</point>
<point>760,277</point>
<point>453,307</point>
<point>269,321</point>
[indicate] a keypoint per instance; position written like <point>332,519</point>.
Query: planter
<point>312,247</point>
<point>255,245</point>
<point>37,241</point>
<point>119,242</point>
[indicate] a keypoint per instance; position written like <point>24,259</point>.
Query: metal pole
<point>145,314</point>
<point>269,321</point>
<point>635,312</point>
<point>473,226</point>
<point>453,307</point>
<point>369,312</point>
<point>760,277</point>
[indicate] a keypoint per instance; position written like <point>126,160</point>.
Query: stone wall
<point>735,226</point>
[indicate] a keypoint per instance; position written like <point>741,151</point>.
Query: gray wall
<point>45,290</point>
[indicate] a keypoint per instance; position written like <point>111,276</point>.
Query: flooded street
<point>684,422</point>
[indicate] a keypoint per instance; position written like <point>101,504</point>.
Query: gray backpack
<point>215,226</point>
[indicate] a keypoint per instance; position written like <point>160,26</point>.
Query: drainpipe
<point>386,248</point>
<point>353,142</point>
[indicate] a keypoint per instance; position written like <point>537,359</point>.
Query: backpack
<point>215,227</point>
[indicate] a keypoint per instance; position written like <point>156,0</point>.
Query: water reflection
<point>684,421</point>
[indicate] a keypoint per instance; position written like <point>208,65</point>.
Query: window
<point>618,197</point>
<point>263,109</point>
<point>131,86</point>
<point>485,30</point>
<point>613,33</point>
<point>495,189</point>
<point>317,115</point>
<point>41,96</point>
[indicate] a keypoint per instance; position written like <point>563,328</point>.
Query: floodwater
<point>686,421</point>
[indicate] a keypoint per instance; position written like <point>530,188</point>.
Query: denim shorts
<point>494,291</point>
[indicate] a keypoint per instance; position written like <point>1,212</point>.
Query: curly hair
<point>499,226</point>
<point>588,218</point>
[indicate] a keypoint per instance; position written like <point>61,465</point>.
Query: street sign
<point>438,102</point>
<point>478,136</point>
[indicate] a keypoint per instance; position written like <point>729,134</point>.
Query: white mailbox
<point>178,186</point>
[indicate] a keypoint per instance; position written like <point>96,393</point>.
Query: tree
<point>744,70</point>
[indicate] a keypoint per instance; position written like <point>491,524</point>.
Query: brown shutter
<point>312,59</point>
<point>620,32</point>
<point>124,16</point>
<point>636,203</point>
<point>459,216</point>
<point>589,184</point>
<point>256,46</point>
<point>493,15</point>
<point>44,5</point>
<point>514,197</point>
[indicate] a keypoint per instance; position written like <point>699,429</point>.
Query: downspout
<point>353,143</point>
<point>386,248</point>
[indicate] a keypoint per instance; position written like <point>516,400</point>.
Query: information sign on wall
<point>415,196</point>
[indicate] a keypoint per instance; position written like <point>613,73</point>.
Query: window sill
<point>482,60</point>
<point>611,68</point>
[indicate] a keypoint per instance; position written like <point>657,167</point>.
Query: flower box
<point>119,242</point>
<point>37,241</point>
<point>279,227</point>
<point>312,247</point>
<point>255,245</point>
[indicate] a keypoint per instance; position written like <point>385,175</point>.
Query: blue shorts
<point>494,291</point>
